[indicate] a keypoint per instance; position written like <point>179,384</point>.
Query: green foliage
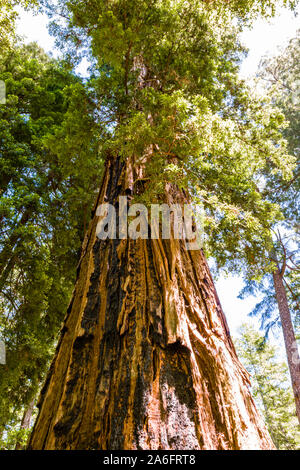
<point>267,308</point>
<point>8,16</point>
<point>163,82</point>
<point>280,77</point>
<point>50,170</point>
<point>270,387</point>
<point>166,76</point>
<point>14,436</point>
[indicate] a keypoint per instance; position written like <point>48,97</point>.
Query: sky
<point>265,38</point>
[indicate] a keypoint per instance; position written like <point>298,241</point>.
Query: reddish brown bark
<point>145,359</point>
<point>289,337</point>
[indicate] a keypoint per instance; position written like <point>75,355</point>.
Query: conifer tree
<point>145,359</point>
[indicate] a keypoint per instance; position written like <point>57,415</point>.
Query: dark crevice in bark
<point>145,360</point>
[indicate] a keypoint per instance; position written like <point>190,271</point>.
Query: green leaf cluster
<point>50,169</point>
<point>270,387</point>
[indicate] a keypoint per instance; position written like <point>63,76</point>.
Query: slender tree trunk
<point>289,337</point>
<point>25,423</point>
<point>145,359</point>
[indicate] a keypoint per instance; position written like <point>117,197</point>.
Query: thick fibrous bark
<point>145,359</point>
<point>289,337</point>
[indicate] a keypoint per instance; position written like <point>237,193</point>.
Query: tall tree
<point>280,284</point>
<point>8,16</point>
<point>25,423</point>
<point>145,359</point>
<point>270,386</point>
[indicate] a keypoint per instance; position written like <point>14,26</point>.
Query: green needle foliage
<point>177,62</point>
<point>50,170</point>
<point>270,387</point>
<point>280,77</point>
<point>8,16</point>
<point>163,79</point>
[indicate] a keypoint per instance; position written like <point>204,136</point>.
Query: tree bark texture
<point>289,337</point>
<point>145,359</point>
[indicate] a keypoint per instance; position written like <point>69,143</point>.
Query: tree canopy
<point>163,80</point>
<point>279,77</point>
<point>178,62</point>
<point>270,386</point>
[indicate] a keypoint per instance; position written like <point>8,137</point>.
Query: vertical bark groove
<point>145,359</point>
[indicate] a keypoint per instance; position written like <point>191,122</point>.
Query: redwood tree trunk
<point>145,359</point>
<point>25,423</point>
<point>289,337</point>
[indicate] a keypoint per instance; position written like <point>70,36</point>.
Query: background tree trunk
<point>145,359</point>
<point>25,423</point>
<point>289,337</point>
